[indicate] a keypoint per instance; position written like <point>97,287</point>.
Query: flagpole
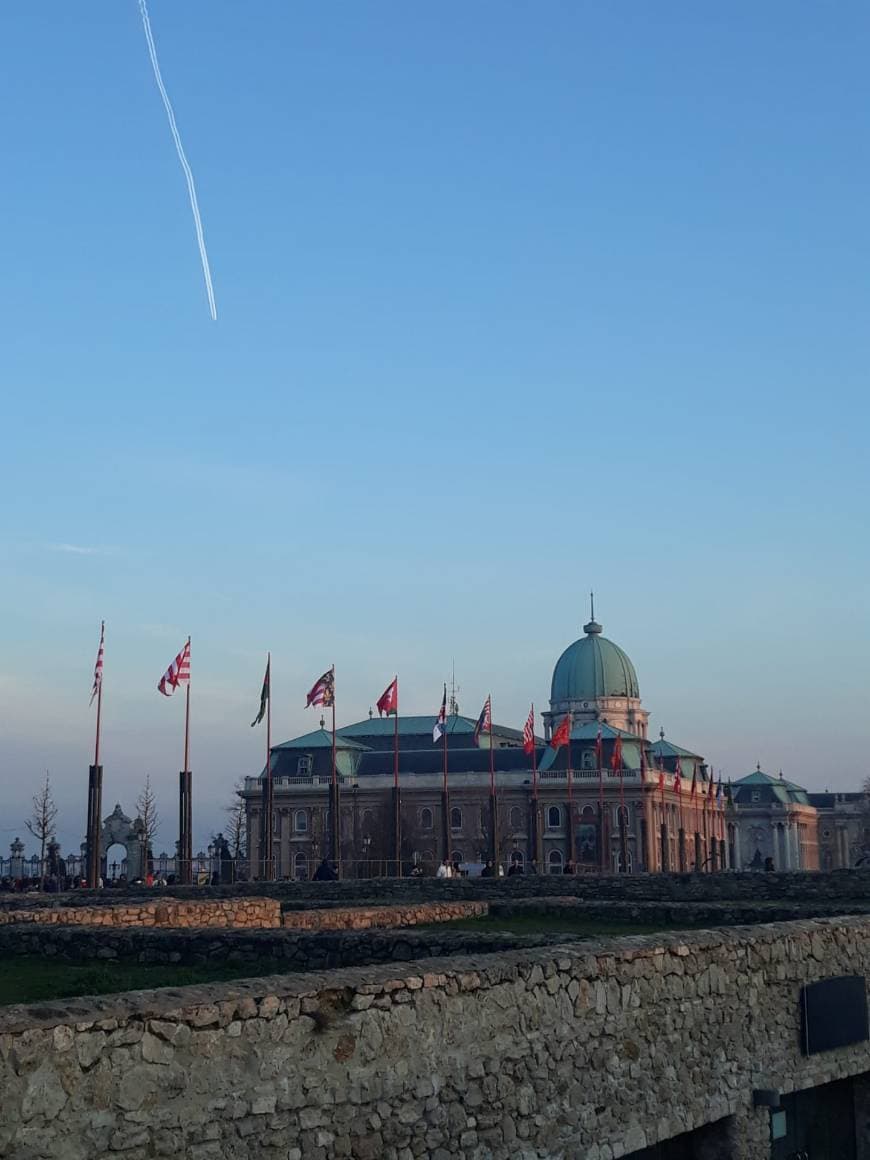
<point>664,823</point>
<point>95,785</point>
<point>268,843</point>
<point>600,755</point>
<point>445,791</point>
<point>336,817</point>
<point>99,714</point>
<point>493,801</point>
<point>397,804</point>
<point>536,845</point>
<point>570,789</point>
<point>623,837</point>
<point>185,839</point>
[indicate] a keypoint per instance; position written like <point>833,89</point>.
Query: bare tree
<point>42,821</point>
<point>237,825</point>
<point>146,806</point>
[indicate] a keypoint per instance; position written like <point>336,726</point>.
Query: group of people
<point>448,869</point>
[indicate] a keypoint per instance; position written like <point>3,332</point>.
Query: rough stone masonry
<point>584,1051</point>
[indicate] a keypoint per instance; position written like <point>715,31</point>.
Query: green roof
<point>385,726</point>
<point>321,739</point>
<point>588,731</point>
<point>592,667</point>
<point>664,748</point>
<point>776,788</point>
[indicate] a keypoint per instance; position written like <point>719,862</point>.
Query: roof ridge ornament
<point>593,628</point>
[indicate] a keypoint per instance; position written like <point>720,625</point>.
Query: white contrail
<point>191,189</point>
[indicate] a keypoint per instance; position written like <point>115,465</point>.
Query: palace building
<point>579,803</point>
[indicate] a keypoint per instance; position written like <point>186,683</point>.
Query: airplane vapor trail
<point>191,189</point>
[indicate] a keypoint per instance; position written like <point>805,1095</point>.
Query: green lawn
<point>34,980</point>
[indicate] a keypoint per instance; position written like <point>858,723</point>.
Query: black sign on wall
<point>833,1013</point>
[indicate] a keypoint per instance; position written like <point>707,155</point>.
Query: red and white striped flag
<point>322,691</point>
<point>177,674</point>
<point>529,732</point>
<point>98,667</point>
<point>484,721</point>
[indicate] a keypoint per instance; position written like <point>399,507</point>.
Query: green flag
<point>264,695</point>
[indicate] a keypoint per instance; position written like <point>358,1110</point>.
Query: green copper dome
<point>593,667</point>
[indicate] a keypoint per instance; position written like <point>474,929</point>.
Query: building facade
<point>654,809</point>
<point>784,826</point>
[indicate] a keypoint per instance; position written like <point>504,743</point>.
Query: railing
<point>605,775</point>
<point>255,784</point>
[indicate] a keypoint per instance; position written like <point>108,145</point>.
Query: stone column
<point>797,859</point>
<point>842,849</point>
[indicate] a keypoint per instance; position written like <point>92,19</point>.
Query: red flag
<point>177,674</point>
<point>616,756</point>
<point>98,667</point>
<point>529,732</point>
<point>563,734</point>
<point>389,699</point>
<point>322,691</point>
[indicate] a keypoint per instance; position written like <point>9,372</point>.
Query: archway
<point>119,830</point>
<point>116,862</point>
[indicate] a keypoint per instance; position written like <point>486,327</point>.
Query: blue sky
<point>513,301</point>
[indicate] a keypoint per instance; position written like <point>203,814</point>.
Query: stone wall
<point>262,950</point>
<point>310,947</point>
<point>366,917</point>
<point>587,1051</point>
<point>833,886</point>
<point>231,912</point>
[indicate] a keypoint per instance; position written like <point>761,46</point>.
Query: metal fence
<point>206,868</point>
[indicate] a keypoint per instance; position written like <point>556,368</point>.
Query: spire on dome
<point>593,628</point>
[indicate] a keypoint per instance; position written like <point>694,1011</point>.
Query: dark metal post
<point>95,798</point>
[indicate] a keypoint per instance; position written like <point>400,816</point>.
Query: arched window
<point>368,821</point>
<point>300,821</point>
<point>456,818</point>
<point>457,856</point>
<point>517,857</point>
<point>554,862</point>
<point>300,867</point>
<point>303,765</point>
<point>554,818</point>
<point>587,760</point>
<point>617,861</point>
<point>588,836</point>
<point>426,820</point>
<point>516,818</point>
<point>621,815</point>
